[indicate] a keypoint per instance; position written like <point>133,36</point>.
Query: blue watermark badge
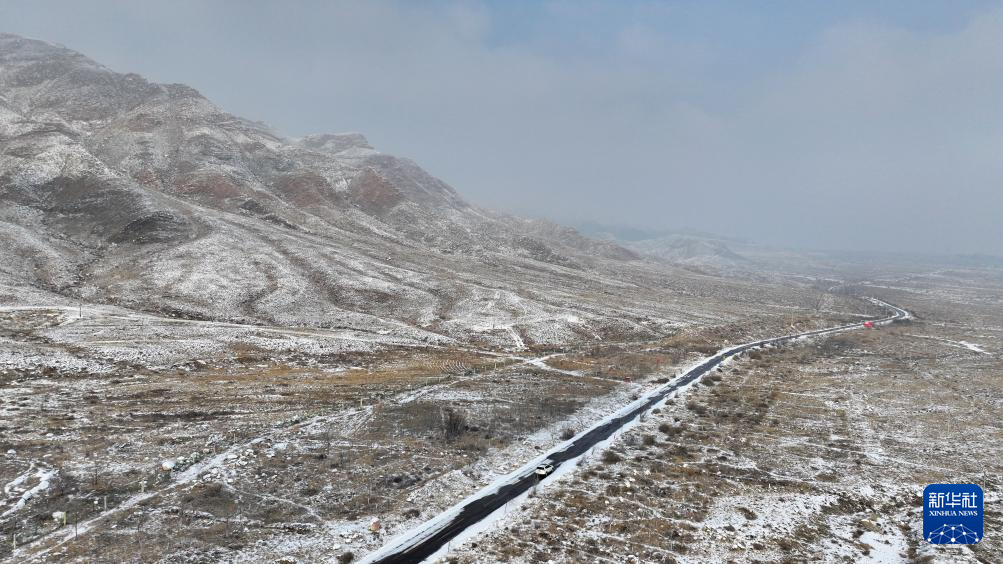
<point>952,514</point>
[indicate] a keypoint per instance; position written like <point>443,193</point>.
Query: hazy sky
<point>860,125</point>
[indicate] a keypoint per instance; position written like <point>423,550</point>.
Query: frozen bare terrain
<point>812,453</point>
<point>220,344</point>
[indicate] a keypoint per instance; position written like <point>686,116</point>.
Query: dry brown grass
<point>799,421</point>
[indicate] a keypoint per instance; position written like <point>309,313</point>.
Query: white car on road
<point>544,470</point>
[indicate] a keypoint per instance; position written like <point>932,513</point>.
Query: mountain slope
<point>117,190</point>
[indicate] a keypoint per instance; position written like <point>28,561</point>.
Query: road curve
<point>427,539</point>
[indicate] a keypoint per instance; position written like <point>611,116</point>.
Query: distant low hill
<point>680,247</point>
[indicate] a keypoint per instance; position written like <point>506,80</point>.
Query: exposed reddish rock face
<point>209,186</point>
<point>373,193</point>
<point>147,177</point>
<point>305,189</point>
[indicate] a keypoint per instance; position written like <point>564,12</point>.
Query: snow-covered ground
<point>960,344</point>
<point>818,451</point>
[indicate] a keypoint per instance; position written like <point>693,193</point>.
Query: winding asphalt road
<point>424,541</point>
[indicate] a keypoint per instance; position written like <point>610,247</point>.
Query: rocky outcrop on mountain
<point>117,190</point>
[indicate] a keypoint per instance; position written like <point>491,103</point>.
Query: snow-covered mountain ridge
<point>121,191</point>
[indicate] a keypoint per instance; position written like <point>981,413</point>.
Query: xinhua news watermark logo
<point>952,514</point>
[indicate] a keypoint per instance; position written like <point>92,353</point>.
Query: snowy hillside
<point>118,191</point>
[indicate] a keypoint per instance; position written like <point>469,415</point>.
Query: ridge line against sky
<point>854,125</point>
